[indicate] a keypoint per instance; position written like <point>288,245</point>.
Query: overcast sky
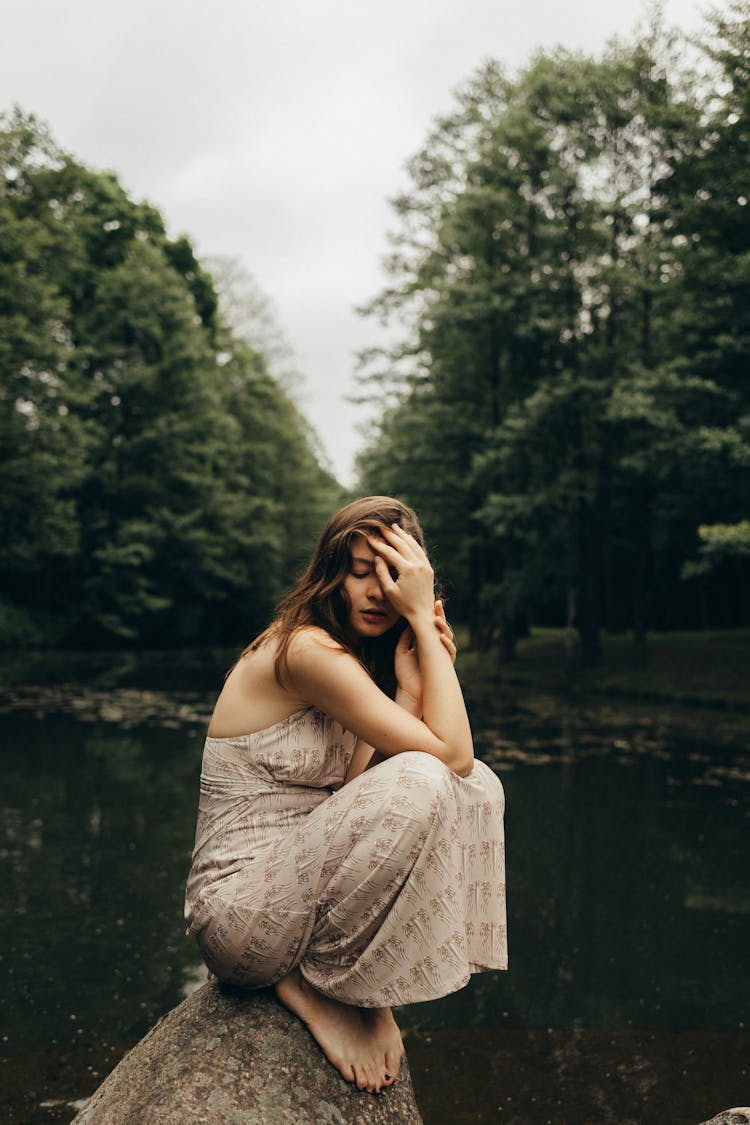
<point>277,130</point>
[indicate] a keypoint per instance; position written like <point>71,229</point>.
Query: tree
<point>544,413</point>
<point>43,442</point>
<point>160,485</point>
<point>708,196</point>
<point>251,316</point>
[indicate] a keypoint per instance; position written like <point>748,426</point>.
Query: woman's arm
<point>361,760</point>
<point>364,756</point>
<point>406,662</point>
<point>323,674</point>
<point>412,594</point>
<point>326,676</point>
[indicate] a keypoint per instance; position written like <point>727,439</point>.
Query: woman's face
<point>370,612</point>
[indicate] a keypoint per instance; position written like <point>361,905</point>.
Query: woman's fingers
<point>405,544</point>
<point>446,633</point>
<point>395,544</point>
<point>405,541</point>
<point>440,613</point>
<point>404,572</point>
<point>406,640</point>
<point>440,619</point>
<point>384,575</point>
<point>405,547</point>
<point>385,550</point>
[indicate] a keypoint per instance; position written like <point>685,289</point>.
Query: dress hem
<point>399,998</point>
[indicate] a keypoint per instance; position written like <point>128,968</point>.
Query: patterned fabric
<point>387,890</point>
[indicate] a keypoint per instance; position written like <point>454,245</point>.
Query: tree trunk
<point>588,599</point>
<point>642,582</point>
<point>507,636</point>
<point>571,655</point>
<point>590,632</point>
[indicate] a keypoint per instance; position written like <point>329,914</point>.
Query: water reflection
<point>541,1077</point>
<point>97,829</point>
<point>628,889</point>
<point>628,907</point>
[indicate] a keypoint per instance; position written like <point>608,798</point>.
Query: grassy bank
<point>710,669</point>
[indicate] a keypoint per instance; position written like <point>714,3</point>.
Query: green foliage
<point>719,542</point>
<point>570,400</point>
<point>159,486</point>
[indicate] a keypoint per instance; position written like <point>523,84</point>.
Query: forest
<point>159,485</point>
<point>567,402</point>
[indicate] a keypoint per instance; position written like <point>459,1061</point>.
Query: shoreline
<point>709,671</point>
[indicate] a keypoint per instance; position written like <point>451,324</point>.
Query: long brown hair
<point>317,599</point>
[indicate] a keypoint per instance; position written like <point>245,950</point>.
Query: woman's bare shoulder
<point>252,698</point>
<point>310,640</point>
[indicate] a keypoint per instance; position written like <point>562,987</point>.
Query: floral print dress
<point>387,890</point>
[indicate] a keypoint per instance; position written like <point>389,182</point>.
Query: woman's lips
<point>375,614</point>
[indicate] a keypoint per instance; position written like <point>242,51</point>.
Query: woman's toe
<point>393,1064</point>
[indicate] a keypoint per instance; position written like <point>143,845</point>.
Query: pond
<point>628,896</point>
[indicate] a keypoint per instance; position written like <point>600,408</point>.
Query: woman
<point>349,850</point>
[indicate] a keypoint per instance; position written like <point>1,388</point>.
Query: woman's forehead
<point>361,549</point>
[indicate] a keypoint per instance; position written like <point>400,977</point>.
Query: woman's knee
<point>414,772</point>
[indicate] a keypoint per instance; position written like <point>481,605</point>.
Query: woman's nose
<point>375,590</point>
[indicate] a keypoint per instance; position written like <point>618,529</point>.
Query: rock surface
<point>738,1116</point>
<point>228,1057</point>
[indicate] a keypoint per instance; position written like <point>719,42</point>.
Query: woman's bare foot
<point>364,1044</point>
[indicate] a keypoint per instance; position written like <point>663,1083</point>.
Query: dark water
<point>628,888</point>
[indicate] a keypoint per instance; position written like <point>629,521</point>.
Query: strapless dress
<point>387,890</point>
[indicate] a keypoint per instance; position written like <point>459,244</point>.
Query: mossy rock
<point>232,1057</point>
<point>738,1116</point>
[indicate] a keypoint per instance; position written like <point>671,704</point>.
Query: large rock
<point>228,1057</point>
<point>738,1116</point>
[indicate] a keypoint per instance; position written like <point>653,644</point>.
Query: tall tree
<point>709,198</point>
<point>159,485</point>
<point>544,413</point>
<point>43,441</point>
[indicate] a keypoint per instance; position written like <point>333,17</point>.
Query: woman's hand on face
<point>411,590</point>
<point>406,656</point>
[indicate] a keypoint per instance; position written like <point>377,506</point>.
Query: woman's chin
<point>371,626</point>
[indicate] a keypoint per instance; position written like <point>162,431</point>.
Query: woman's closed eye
<point>370,570</point>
